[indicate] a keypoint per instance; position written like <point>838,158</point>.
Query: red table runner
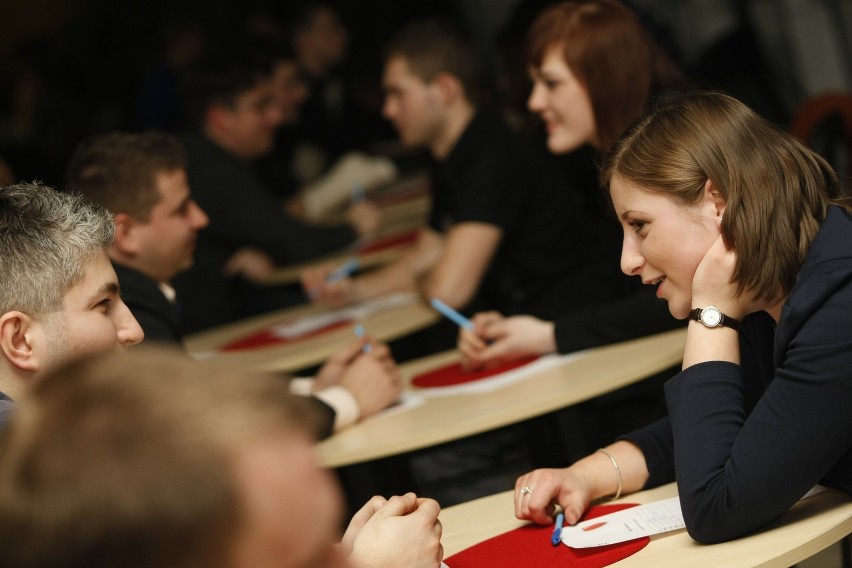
<point>455,374</point>
<point>529,546</point>
<point>267,337</point>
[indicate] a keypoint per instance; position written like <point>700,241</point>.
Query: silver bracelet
<point>617,472</point>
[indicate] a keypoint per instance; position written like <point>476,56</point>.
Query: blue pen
<point>452,314</point>
<point>342,271</point>
<point>336,275</point>
<point>556,538</point>
<point>359,332</point>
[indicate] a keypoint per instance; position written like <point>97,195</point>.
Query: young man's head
<point>320,39</point>
<point>230,97</point>
<point>150,459</point>
<point>59,296</point>
<point>432,77</point>
<point>141,178</point>
<point>288,87</point>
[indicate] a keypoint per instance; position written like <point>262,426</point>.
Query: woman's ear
<point>16,340</point>
<point>714,198</point>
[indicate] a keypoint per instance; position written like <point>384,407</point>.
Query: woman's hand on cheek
<point>711,284</point>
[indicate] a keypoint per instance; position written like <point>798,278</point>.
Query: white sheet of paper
<point>305,325</point>
<point>635,522</point>
<point>406,401</point>
<point>501,380</point>
<point>308,324</point>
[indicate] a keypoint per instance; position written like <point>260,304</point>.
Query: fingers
<point>496,353</point>
<point>470,345</point>
<point>428,510</point>
<point>381,354</point>
<point>573,508</point>
<point>252,264</point>
<point>338,364</point>
<point>316,284</point>
<point>548,487</point>
<point>313,281</point>
<point>370,508</point>
<point>535,496</point>
<point>349,352</point>
<point>482,320</point>
<point>428,507</point>
<point>358,521</point>
<point>334,293</point>
<point>381,351</point>
<point>397,506</point>
<point>375,383</point>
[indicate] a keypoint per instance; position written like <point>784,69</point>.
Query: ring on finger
<point>526,490</point>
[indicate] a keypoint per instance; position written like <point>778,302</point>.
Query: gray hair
<point>45,239</point>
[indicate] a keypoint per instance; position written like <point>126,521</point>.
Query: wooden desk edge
<point>383,325</point>
<point>338,451</point>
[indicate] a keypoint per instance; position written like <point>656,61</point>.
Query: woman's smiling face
<point>563,103</point>
<point>664,240</point>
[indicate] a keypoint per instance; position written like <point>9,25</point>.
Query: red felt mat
<point>267,337</point>
<point>454,374</point>
<point>406,238</point>
<point>529,546</point>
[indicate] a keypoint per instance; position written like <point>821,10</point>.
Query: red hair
<point>613,56</point>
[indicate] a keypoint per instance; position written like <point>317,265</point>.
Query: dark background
<point>70,68</point>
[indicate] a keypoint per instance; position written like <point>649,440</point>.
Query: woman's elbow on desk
<point>707,524</point>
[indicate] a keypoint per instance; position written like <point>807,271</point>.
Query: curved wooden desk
<point>809,527</point>
<point>443,418</point>
<point>383,326</point>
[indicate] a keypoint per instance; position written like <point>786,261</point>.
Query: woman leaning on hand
<point>742,230</point>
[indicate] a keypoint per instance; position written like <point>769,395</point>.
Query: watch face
<point>711,317</point>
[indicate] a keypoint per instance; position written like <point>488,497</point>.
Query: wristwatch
<point>711,316</point>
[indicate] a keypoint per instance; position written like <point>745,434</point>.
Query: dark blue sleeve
<point>243,212</point>
<point>740,469</point>
<point>657,446</point>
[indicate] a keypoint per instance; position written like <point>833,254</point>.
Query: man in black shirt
<point>235,116</point>
<point>505,229</point>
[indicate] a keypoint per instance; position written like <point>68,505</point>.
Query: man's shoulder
<point>137,287</point>
<point>204,155</point>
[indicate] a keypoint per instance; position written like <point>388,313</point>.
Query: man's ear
<point>17,341</point>
<point>449,87</point>
<point>216,116</point>
<point>125,234</point>
<point>714,198</point>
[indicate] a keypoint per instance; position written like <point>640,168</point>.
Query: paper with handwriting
<point>645,520</point>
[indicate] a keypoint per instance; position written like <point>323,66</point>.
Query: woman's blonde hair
<point>777,190</point>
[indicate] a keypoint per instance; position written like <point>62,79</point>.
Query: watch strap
<point>726,321</point>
